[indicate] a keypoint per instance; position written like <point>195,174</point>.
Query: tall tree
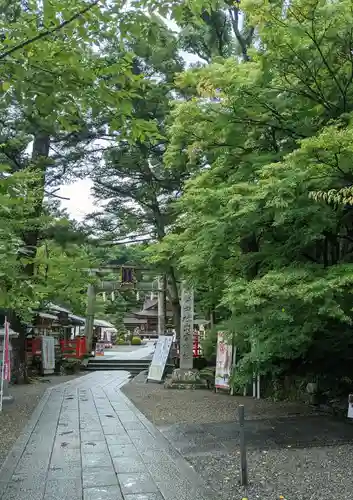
<point>273,136</point>
<point>132,181</point>
<point>58,88</point>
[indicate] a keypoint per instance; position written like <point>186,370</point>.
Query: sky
<point>80,202</point>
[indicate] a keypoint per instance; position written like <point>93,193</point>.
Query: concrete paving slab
<point>103,493</point>
<point>100,476</point>
<point>96,460</point>
<point>87,441</point>
<point>140,482</point>
<point>70,489</point>
<point>124,465</point>
<point>144,496</point>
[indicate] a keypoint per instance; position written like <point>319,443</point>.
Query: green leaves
<point>265,227</point>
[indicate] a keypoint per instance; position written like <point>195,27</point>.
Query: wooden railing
<point>75,348</point>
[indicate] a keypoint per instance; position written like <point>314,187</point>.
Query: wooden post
<point>243,461</point>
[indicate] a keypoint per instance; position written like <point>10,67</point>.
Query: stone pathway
<point>86,441</point>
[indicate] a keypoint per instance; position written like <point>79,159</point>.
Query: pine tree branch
<point>49,32</point>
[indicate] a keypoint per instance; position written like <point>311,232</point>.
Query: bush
<point>120,342</point>
<point>135,341</point>
<point>71,366</point>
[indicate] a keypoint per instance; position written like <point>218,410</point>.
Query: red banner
<point>7,361</point>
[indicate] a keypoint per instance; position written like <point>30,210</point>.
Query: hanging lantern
<point>127,275</point>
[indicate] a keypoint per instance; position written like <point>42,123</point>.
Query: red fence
<point>75,348</point>
<point>196,346</point>
<point>34,346</point>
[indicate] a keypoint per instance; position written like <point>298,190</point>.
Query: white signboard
<point>160,358</point>
<point>99,349</point>
<point>224,362</point>
<point>48,354</point>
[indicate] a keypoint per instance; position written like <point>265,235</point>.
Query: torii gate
<point>127,274</point>
<point>128,280</point>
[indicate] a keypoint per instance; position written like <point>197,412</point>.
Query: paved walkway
<point>130,352</point>
<point>86,441</point>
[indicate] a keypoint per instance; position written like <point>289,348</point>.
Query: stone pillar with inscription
<point>186,377</point>
<point>186,327</point>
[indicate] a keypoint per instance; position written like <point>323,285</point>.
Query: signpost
<point>6,364</point>
<point>160,357</point>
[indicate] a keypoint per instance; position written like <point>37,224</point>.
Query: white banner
<point>160,357</point>
<point>224,362</point>
<point>48,354</point>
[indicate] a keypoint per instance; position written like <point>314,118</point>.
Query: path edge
<point>8,467</point>
<point>184,466</point>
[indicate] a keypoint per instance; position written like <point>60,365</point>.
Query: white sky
<point>80,201</point>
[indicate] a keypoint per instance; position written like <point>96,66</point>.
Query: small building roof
<point>54,307</point>
<point>12,333</point>
<point>134,321</point>
<point>103,324</point>
<point>151,313</point>
<point>77,319</point>
<point>45,315</point>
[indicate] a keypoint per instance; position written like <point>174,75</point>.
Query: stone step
<point>131,365</point>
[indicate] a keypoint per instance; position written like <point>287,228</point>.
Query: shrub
<point>71,366</point>
<point>121,342</point>
<point>135,341</point>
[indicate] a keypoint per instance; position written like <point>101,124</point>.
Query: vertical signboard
<point>187,327</point>
<point>99,349</point>
<point>48,355</point>
<point>160,357</point>
<point>224,362</point>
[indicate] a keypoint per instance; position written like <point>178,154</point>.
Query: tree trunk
<point>175,301</point>
<point>212,318</point>
<point>40,156</point>
<point>89,326</point>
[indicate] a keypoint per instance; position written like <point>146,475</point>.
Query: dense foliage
<point>239,167</point>
<point>266,223</point>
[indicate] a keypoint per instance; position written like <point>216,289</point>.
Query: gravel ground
<point>169,406</point>
<point>15,415</point>
<point>296,473</point>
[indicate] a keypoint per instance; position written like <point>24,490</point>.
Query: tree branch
<point>48,32</point>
